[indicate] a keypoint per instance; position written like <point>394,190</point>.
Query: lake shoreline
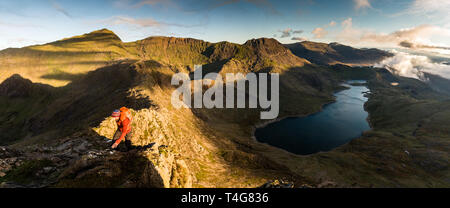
<point>348,85</point>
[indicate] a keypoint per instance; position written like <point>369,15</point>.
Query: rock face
<point>111,169</point>
<point>270,50</point>
<point>152,128</point>
<point>266,46</point>
<point>278,184</point>
<point>82,158</point>
<point>80,161</point>
<point>9,159</point>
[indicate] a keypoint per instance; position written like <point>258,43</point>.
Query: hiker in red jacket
<point>123,120</point>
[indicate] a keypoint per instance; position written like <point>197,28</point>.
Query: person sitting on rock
<point>123,119</point>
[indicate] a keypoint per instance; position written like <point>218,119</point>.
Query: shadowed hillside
<point>438,83</point>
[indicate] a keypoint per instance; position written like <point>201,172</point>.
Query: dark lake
<point>335,125</point>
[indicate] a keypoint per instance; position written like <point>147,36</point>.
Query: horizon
<point>428,54</point>
<point>187,37</point>
<point>408,24</point>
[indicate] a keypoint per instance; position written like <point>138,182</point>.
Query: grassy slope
<point>61,62</point>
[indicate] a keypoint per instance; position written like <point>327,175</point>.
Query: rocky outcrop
<point>152,128</point>
<point>278,184</point>
<point>266,46</point>
<point>9,159</point>
<point>81,160</point>
<point>222,51</point>
<point>16,86</point>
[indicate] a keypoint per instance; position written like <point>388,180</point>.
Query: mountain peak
<point>335,43</point>
<point>262,41</point>
<point>104,30</point>
<point>15,86</point>
<point>97,35</point>
<point>266,46</point>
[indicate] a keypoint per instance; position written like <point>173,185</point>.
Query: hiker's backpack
<point>125,113</point>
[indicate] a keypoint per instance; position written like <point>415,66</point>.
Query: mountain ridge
<point>336,53</point>
<point>103,47</point>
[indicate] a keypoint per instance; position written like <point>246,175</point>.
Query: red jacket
<point>124,127</point>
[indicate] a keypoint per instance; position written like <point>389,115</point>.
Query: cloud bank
<point>414,66</point>
<point>436,10</point>
<point>419,37</point>
<point>196,5</point>
<point>288,32</point>
<point>319,33</point>
<point>299,39</point>
<point>147,22</point>
<point>362,4</point>
<point>142,22</point>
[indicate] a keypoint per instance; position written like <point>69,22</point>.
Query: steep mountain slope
<point>438,83</point>
<point>60,62</point>
<point>185,145</point>
<point>335,53</point>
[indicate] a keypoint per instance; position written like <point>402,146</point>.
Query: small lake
<point>337,124</point>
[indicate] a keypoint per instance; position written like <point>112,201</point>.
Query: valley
<point>56,100</point>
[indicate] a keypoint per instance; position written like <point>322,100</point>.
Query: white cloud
<point>420,37</point>
<point>288,32</point>
<point>299,39</point>
<point>414,66</point>
<point>59,8</point>
<point>143,22</point>
<point>147,22</point>
<point>133,4</point>
<point>417,37</point>
<point>319,33</point>
<point>285,33</point>
<point>433,10</point>
<point>362,4</point>
<point>430,7</point>
<point>332,24</point>
<point>348,23</point>
<point>195,5</point>
<point>164,3</point>
<point>349,34</point>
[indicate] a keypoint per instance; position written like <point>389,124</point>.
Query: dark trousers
<point>126,145</point>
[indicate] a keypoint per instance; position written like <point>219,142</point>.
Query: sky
<point>414,24</point>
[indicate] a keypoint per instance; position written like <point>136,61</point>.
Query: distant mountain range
<point>58,62</point>
<point>335,53</point>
